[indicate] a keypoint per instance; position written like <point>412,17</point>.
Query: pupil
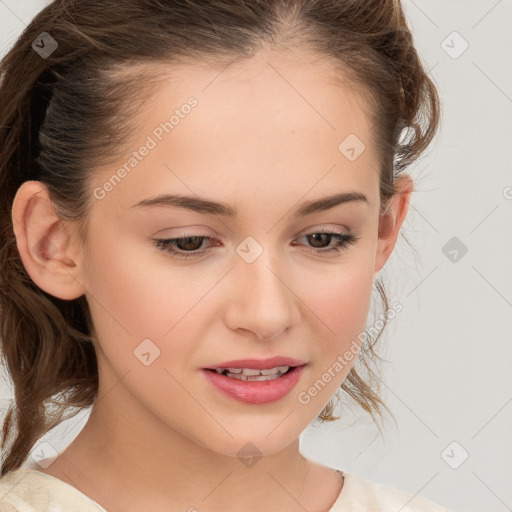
<point>188,243</point>
<point>322,235</point>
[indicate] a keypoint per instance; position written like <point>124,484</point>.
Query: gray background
<point>448,379</point>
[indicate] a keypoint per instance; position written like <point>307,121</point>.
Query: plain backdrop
<point>449,351</point>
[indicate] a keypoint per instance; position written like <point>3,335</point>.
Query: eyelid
<point>185,231</point>
<point>317,228</point>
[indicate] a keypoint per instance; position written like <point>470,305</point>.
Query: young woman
<point>196,200</point>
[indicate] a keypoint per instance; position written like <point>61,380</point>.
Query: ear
<point>391,220</point>
<point>45,243</point>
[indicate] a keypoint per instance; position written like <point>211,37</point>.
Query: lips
<point>255,392</point>
<point>258,364</point>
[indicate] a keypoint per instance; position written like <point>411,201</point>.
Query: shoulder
<point>28,489</point>
<point>360,495</point>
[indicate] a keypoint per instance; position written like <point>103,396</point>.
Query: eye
<point>182,247</point>
<point>190,246</point>
<point>319,239</point>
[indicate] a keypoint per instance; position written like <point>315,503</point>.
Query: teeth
<point>251,374</point>
<point>248,372</point>
<point>273,371</point>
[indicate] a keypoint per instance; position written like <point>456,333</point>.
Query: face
<point>265,139</point>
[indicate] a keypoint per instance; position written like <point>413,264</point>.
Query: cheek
<point>141,294</point>
<point>340,297</point>
<point>124,292</point>
<point>343,310</point>
<point>340,304</point>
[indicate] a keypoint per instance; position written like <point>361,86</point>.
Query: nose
<point>262,300</point>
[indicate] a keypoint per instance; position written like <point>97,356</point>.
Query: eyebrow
<point>206,206</point>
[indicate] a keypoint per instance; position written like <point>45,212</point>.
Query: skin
<point>263,138</point>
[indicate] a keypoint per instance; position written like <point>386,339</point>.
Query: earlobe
<point>391,221</point>
<point>45,243</point>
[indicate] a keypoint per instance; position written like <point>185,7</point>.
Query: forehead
<point>275,122</point>
<point>309,90</point>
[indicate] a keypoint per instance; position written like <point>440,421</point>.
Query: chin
<point>252,443</point>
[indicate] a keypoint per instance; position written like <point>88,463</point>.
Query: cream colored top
<point>29,490</point>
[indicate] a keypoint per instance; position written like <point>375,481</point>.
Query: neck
<point>121,462</point>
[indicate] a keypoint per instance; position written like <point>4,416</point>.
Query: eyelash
<point>167,244</point>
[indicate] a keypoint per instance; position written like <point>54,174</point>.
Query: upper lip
<point>258,364</point>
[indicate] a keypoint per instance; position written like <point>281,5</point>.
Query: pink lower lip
<point>255,392</point>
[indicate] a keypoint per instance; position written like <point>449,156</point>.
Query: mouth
<point>255,385</point>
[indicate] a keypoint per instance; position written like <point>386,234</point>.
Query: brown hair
<point>64,114</point>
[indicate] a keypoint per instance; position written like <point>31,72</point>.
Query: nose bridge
<point>263,302</point>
